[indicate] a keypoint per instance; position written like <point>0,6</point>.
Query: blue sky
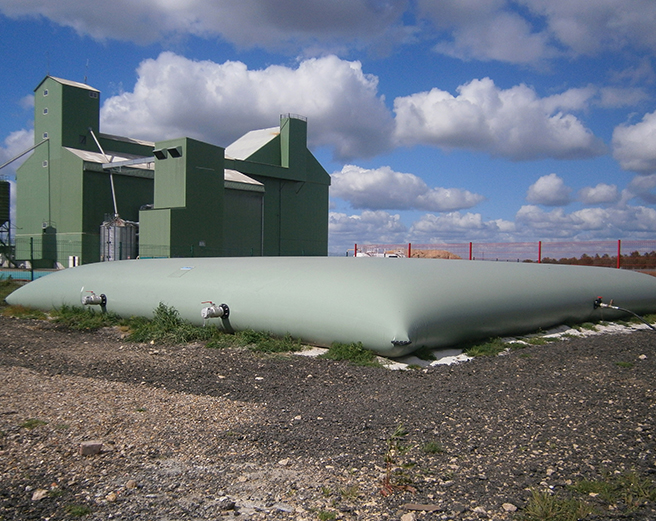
<point>439,121</point>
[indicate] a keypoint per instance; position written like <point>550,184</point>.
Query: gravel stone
<point>194,433</point>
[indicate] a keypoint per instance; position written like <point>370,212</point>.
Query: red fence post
<point>539,252</point>
<point>355,250</point>
<point>471,249</point>
<point>619,252</point>
<point>409,250</point>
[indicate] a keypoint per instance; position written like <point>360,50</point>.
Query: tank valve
<point>94,300</point>
<point>599,304</point>
<point>214,311</point>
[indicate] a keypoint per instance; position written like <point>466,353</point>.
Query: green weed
<point>352,492</point>
<point>624,365</point>
<point>540,340</point>
<point>265,343</point>
<point>425,353</point>
<point>354,353</point>
<point>167,327</point>
<point>23,312</point>
<point>84,319</point>
<point>78,510</point>
<point>433,447</point>
<point>395,477</point>
<point>32,423</point>
<point>627,487</point>
<point>326,515</point>
<point>7,286</point>
<point>543,506</point>
<point>221,341</point>
<point>491,347</point>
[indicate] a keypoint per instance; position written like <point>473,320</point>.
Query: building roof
<point>237,180</point>
<point>109,157</point>
<point>68,82</point>
<point>251,142</point>
<point>127,139</point>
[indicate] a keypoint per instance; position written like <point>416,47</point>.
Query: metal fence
<point>630,254</point>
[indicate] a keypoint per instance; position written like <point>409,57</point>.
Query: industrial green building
<point>84,196</point>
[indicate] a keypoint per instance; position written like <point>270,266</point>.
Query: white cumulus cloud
<point>520,32</point>
<point>513,123</point>
<point>600,194</point>
<point>588,28</point>
<point>549,190</point>
<point>588,223</point>
<point>542,29</point>
<point>370,227</point>
<point>218,103</point>
<point>485,30</point>
<point>458,226</point>
<point>641,187</point>
<point>14,144</point>
<point>634,146</point>
<point>248,23</point>
<point>385,189</point>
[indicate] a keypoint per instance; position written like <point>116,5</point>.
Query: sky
<point>440,121</point>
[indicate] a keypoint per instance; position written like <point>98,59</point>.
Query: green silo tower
<point>63,193</point>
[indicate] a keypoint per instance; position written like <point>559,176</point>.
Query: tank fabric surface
<point>392,306</point>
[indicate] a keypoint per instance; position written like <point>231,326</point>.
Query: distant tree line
<point>633,261</point>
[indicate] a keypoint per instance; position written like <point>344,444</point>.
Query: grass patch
<point>588,326</point>
<point>624,365</point>
<point>540,340</point>
<point>32,423</point>
<point>491,347</point>
<point>425,353</point>
<point>167,327</point>
<point>326,515</point>
<point>354,353</point>
<point>23,312</point>
<point>265,343</point>
<point>84,319</point>
<point>628,488</point>
<point>350,493</point>
<point>543,506</point>
<point>7,286</point>
<point>433,447</point>
<point>77,510</point>
<point>221,341</point>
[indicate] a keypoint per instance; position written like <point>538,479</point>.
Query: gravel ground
<point>194,433</point>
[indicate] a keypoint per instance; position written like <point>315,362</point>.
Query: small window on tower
<point>93,95</point>
<point>45,92</point>
<point>45,111</point>
<point>45,135</point>
<point>45,164</point>
<point>82,140</point>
